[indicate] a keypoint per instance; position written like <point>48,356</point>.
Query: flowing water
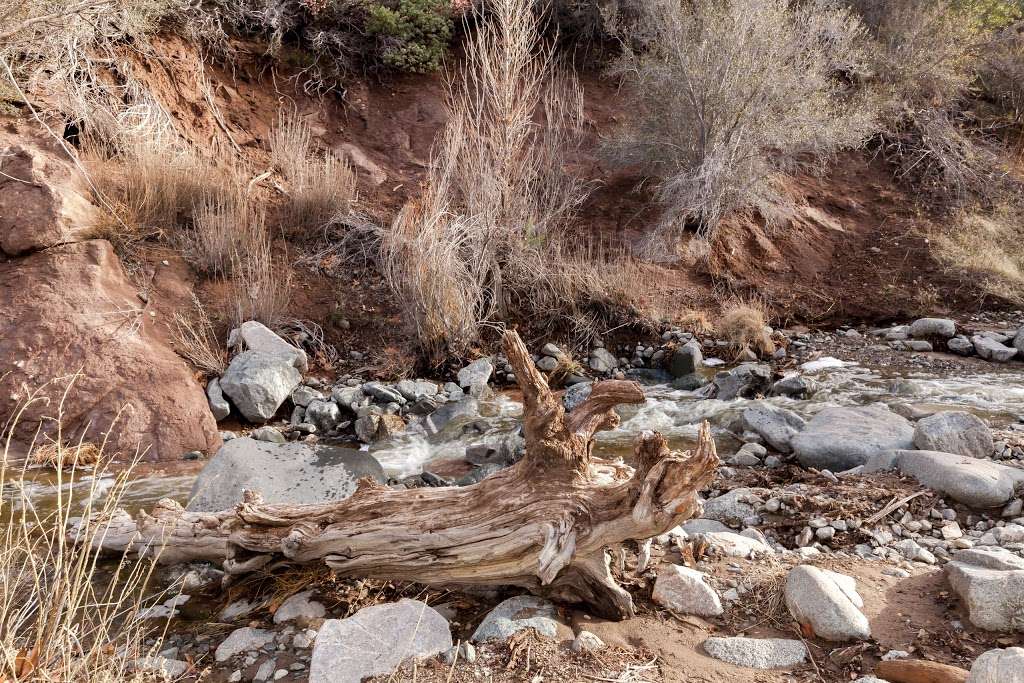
<point>996,395</point>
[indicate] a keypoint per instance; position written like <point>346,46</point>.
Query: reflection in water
<point>997,397</point>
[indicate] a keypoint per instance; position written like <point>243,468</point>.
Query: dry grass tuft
<point>224,225</point>
<point>743,326</point>
<point>196,340</point>
<point>66,457</point>
<point>260,287</point>
<point>986,247</point>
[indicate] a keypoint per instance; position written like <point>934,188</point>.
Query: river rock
<point>932,328</point>
<point>794,386</point>
<point>258,383</point>
<point>954,431</point>
<point>686,360</point>
<point>1018,342</point>
<point>745,381</point>
<point>684,590</point>
<point>731,544</point>
<point>255,336</point>
<point>733,506</point>
<point>376,640</point>
<point>757,653</point>
<point>842,438</point>
<point>960,345</point>
<point>326,415</point>
<point>304,395</point>
<point>456,413</point>
<point>474,377</point>
<point>243,640</point>
<point>602,360</point>
<point>999,666</point>
<point>827,602</point>
<point>373,428</point>
<point>973,482</point>
<point>293,473</point>
<point>300,607</point>
<point>993,597</point>
<point>585,641</point>
<point>219,405</point>
<point>516,614</point>
<point>413,390</point>
<point>990,349</point>
<point>777,426</point>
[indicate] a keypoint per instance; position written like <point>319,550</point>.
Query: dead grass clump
<point>61,457</point>
<point>260,286</point>
<point>743,326</point>
<point>986,246</point>
<point>223,225</point>
<point>196,340</point>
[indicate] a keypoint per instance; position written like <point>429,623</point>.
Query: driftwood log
<point>543,524</point>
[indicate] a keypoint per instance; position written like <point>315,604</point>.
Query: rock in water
<point>757,653</point>
<point>686,360</point>
<point>71,312</point>
<point>794,386</point>
<point>516,614</point>
<point>296,473</point>
<point>839,439</point>
<point>933,328</point>
<point>746,381</point>
<point>826,602</point>
<point>999,666</point>
<point>990,349</point>
<point>684,590</point>
<point>974,482</point>
<point>954,431</point>
<point>258,383</point>
<point>376,640</point>
<point>991,590</point>
<point>777,426</point>
<point>474,377</point>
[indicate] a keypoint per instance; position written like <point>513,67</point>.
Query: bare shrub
<point>289,143</point>
<point>260,287</point>
<point>223,225</point>
<point>730,94</point>
<point>195,338</point>
<point>743,326</point>
<point>985,246</point>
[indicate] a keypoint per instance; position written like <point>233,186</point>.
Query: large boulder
<point>827,603</point>
<point>991,588</point>
<point>954,431</point>
<point>376,640</point>
<point>255,336</point>
<point>842,438</point>
<point>933,328</point>
<point>749,380</point>
<point>992,350</point>
<point>686,360</point>
<point>43,196</point>
<point>973,482</point>
<point>294,473</point>
<point>777,426</point>
<point>999,666</point>
<point>70,313</point>
<point>258,382</point>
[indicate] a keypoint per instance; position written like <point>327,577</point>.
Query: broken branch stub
<point>543,524</point>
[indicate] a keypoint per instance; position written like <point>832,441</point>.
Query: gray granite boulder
<point>297,473</point>
<point>990,349</point>
<point>376,640</point>
<point>777,426</point>
<point>255,336</point>
<point>757,653</point>
<point>242,640</point>
<point>827,602</point>
<point>516,614</point>
<point>794,386</point>
<point>973,482</point>
<point>732,507</point>
<point>842,438</point>
<point>998,666</point>
<point>219,405</point>
<point>933,328</point>
<point>258,383</point>
<point>745,381</point>
<point>993,597</point>
<point>685,591</point>
<point>474,377</point>
<point>686,360</point>
<point>602,360</point>
<point>954,431</point>
<point>454,413</point>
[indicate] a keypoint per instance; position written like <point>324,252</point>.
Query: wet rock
<point>300,607</point>
<point>258,383</point>
<point>992,350</point>
<point>690,382</point>
<point>993,597</point>
<point>1018,342</point>
<point>973,482</point>
<point>961,346</point>
<point>794,386</point>
<point>454,414</point>
<point>575,395</point>
<point>841,438</point>
<point>827,602</point>
<point>474,377</point>
<point>746,381</point>
<point>376,640</point>
<point>373,428</point>
<point>684,590</point>
<point>954,431</point>
<point>503,450</point>
<point>777,426</point>
<point>295,473</point>
<point>243,640</point>
<point>686,360</point>
<point>932,328</point>
<point>999,666</point>
<point>757,653</point>
<point>516,614</point>
<point>219,405</point>
<point>255,336</point>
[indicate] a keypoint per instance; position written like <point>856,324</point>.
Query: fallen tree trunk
<point>542,524</point>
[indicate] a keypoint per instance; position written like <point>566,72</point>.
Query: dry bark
<point>542,524</point>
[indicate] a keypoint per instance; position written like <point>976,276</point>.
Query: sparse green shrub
<point>730,95</point>
<point>414,34</point>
